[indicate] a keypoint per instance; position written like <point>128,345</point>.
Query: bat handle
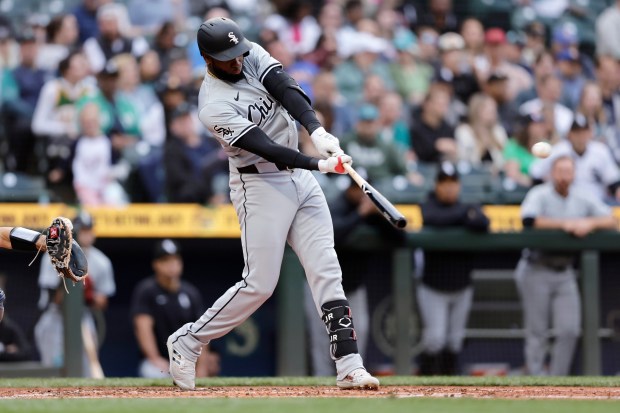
<point>353,174</point>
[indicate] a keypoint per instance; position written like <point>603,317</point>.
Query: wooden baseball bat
<point>91,353</point>
<point>384,206</point>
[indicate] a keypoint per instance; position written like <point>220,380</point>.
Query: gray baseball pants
<point>549,297</point>
<point>273,209</point>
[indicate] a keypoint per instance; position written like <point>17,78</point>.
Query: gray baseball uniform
<point>274,206</point>
<point>547,282</point>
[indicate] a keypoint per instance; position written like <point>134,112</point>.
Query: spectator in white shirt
<point>93,178</point>
<point>549,91</point>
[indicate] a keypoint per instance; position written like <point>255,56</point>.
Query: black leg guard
<point>339,322</point>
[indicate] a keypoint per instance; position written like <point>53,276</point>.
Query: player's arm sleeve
<point>256,141</point>
<point>288,92</point>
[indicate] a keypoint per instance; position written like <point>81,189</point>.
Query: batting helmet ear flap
<point>222,39</point>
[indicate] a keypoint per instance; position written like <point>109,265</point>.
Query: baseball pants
<point>444,317</point>
<point>549,297</point>
<point>273,209</point>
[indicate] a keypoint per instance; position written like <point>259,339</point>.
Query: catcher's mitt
<point>66,255</point>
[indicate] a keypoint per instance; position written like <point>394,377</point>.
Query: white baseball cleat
<point>182,370</point>
<point>359,379</point>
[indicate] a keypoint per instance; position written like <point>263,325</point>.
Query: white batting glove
<point>326,143</point>
<point>335,164</point>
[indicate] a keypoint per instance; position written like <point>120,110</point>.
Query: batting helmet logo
<point>233,38</point>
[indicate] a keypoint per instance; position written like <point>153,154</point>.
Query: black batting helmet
<point>222,39</point>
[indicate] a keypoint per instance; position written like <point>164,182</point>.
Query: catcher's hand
<point>66,255</point>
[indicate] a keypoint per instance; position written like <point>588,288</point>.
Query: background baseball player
<point>547,280</point>
<point>250,105</point>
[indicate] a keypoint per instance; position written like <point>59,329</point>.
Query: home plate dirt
<point>506,392</point>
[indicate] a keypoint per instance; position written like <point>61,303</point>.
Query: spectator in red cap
<point>518,78</point>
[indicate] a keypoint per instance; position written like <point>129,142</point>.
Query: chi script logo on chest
<point>259,111</point>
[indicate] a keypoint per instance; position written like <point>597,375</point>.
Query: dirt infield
<point>504,392</point>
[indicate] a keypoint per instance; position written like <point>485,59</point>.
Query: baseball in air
<point>541,149</point>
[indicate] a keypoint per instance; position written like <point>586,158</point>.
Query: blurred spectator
<point>93,177</point>
<point>455,67</point>
<point>472,32</point>
<point>296,26</point>
<point>374,90</point>
<point>365,60</point>
<point>380,158</point>
<point>164,43</point>
<point>432,139</point>
<point>608,79</point>
<point>26,80</point>
<point>110,42</point>
<point>38,22</point>
<point>393,127</point>
<point>445,290</point>
<point>119,117</point>
<point>591,106</point>
<point>517,153</point>
<point>549,91</point>
<point>160,304</point>
<point>439,14</point>
<point>62,36</point>
<point>86,15</point>
<point>325,54</point>
<point>608,31</point>
<point>496,86</point>
<point>99,286</point>
<point>9,49</point>
<point>411,75</point>
<point>481,139</point>
<point>55,118</point>
<point>596,172</point>
<point>351,210</point>
<point>565,36</point>
<point>149,15</point>
<point>150,68</point>
<point>143,97</point>
<point>535,38</point>
<point>495,50</point>
<point>180,72</point>
<point>546,280</point>
<point>186,156</point>
<point>571,74</point>
<point>427,41</point>
<point>332,104</point>
<point>544,65</point>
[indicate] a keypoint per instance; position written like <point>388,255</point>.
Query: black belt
<point>252,169</point>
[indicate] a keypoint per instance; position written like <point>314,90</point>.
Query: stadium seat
<point>19,187</point>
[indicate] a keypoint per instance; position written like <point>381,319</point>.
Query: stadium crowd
<point>98,98</point>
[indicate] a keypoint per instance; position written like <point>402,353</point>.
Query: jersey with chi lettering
<point>229,110</point>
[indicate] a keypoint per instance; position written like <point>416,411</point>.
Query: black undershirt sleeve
<point>283,87</point>
<point>257,142</point>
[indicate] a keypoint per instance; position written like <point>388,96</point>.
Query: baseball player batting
<point>250,104</point>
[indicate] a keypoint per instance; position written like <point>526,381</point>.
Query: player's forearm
<point>21,239</point>
<point>257,142</point>
<point>147,342</point>
<point>608,222</point>
<point>548,223</point>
